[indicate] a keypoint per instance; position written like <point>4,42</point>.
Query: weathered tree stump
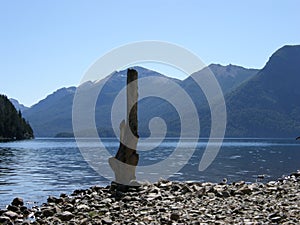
<point>126,159</point>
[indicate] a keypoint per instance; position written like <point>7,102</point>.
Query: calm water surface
<point>38,168</point>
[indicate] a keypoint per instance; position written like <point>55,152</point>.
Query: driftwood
<point>126,159</point>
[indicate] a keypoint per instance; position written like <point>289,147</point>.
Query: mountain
<point>17,105</point>
<point>229,77</point>
<point>260,103</point>
<point>268,104</point>
<point>53,115</point>
<point>12,125</point>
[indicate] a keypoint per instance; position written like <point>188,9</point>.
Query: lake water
<point>35,169</point>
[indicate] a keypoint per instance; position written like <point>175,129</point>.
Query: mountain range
<point>260,103</point>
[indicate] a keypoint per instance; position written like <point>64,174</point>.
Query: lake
<point>35,169</point>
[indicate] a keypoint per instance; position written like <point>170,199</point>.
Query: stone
<point>23,209</point>
<point>225,194</point>
<point>84,221</point>
<point>165,184</point>
<point>52,199</point>
<point>157,203</point>
<point>65,216</point>
<point>18,221</point>
<point>17,202</point>
<point>211,195</point>
<point>83,207</point>
<point>175,216</point>
<point>275,219</point>
<point>48,212</point>
<point>106,220</point>
<point>186,189</point>
<point>271,189</point>
<point>11,215</point>
<point>107,201</point>
<point>244,191</point>
<point>13,208</point>
<point>63,195</point>
<point>5,220</point>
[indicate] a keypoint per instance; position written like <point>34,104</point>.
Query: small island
<point>12,125</point>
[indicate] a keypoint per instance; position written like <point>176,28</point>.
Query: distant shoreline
<point>6,139</point>
<point>13,139</point>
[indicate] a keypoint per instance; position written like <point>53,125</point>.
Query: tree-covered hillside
<point>268,104</point>
<point>12,125</point>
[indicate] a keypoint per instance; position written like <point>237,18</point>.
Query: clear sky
<point>46,45</point>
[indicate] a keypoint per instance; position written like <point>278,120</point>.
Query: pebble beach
<point>168,202</point>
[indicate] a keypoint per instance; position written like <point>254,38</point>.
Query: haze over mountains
<point>260,103</point>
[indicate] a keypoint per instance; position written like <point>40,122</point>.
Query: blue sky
<point>46,45</point>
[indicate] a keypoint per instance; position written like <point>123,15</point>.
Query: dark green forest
<point>12,125</point>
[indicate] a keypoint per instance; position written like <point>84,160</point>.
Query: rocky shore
<point>166,202</point>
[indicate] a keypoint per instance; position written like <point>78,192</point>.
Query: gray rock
<point>13,208</point>
<point>225,194</point>
<point>48,212</point>
<point>12,215</point>
<point>5,220</point>
<point>17,202</point>
<point>275,219</point>
<point>83,207</point>
<point>244,191</point>
<point>52,199</point>
<point>107,201</point>
<point>175,216</point>
<point>84,221</point>
<point>18,221</point>
<point>106,220</point>
<point>167,202</point>
<point>65,216</point>
<point>165,184</point>
<point>63,195</point>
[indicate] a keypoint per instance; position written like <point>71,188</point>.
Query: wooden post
<point>126,159</point>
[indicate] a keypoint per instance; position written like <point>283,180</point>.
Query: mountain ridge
<point>52,115</point>
<point>260,103</point>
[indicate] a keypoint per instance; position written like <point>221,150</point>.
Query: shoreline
<point>168,202</point>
